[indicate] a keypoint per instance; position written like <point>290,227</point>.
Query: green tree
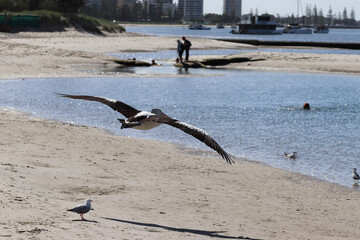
<point>321,17</point>
<point>6,5</point>
<point>14,5</point>
<point>330,15</point>
<point>70,5</point>
<point>34,4</point>
<point>315,14</point>
<point>345,14</point>
<point>352,14</point>
<point>109,9</point>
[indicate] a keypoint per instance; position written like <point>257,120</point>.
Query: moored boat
<point>296,28</point>
<point>321,29</point>
<point>198,27</point>
<point>260,25</point>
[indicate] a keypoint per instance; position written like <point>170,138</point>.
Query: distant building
<point>191,9</point>
<point>232,8</point>
<point>121,3</point>
<point>168,7</point>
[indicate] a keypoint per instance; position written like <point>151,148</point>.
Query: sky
<point>286,7</point>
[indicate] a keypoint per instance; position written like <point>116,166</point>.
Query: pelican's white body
<point>148,119</point>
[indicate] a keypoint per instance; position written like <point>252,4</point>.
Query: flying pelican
<point>82,209</point>
<point>292,156</point>
<point>143,120</point>
<point>355,176</point>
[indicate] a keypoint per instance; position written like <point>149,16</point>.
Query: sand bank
<point>76,54</point>
<point>150,190</point>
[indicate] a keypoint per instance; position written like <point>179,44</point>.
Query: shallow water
<point>256,115</point>
<point>172,54</point>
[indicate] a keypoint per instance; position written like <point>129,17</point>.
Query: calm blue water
<point>335,35</point>
<point>256,115</point>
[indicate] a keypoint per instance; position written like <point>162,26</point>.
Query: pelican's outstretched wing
<point>200,135</point>
<point>121,107</point>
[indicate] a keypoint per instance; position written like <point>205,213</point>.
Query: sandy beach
<point>77,54</point>
<point>147,189</point>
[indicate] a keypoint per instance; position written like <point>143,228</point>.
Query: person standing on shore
<point>187,45</point>
<point>180,49</point>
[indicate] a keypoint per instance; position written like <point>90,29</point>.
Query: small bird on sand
<point>292,156</point>
<point>355,176</point>
<point>82,209</point>
<point>143,120</point>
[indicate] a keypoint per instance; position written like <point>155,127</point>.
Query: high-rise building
<point>232,8</point>
<point>121,3</point>
<point>191,9</point>
<point>168,7</point>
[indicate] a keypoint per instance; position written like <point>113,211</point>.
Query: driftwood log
<point>132,63</point>
<point>221,61</point>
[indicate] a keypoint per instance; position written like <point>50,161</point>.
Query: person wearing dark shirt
<point>187,45</point>
<point>180,49</point>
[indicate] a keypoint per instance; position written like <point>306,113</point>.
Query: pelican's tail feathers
<point>123,124</point>
<point>126,124</point>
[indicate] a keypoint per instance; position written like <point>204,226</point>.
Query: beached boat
<point>259,25</point>
<point>321,29</point>
<point>198,27</point>
<point>296,28</point>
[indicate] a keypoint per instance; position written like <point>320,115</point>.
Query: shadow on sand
<point>80,220</point>
<point>214,234</point>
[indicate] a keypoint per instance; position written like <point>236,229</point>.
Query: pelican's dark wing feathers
<point>200,135</point>
<point>121,107</point>
<point>356,176</point>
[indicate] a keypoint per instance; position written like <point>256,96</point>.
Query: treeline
<point>316,16</point>
<point>312,16</point>
<point>54,15</point>
<point>32,5</point>
<point>140,12</point>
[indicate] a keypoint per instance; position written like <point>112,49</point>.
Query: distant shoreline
<point>353,46</point>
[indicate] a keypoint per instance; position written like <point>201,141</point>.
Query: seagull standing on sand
<point>82,209</point>
<point>292,156</point>
<point>143,120</point>
<point>355,176</point>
